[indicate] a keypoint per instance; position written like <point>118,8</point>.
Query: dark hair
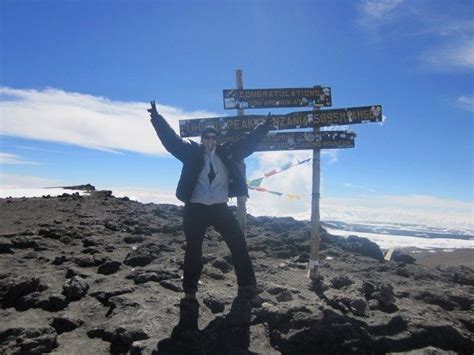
<point>209,129</point>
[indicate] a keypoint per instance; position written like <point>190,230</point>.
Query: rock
<point>429,350</point>
<point>143,255</point>
<point>104,296</point>
<point>400,257</point>
<point>222,265</point>
<point>72,272</point>
<point>275,290</point>
<point>90,242</point>
<point>368,288</point>
<point>374,304</point>
<point>89,260</point>
<point>339,282</point>
<point>284,296</point>
<point>359,306</point>
<point>27,340</point>
<point>133,239</point>
<point>438,299</point>
<point>102,194</point>
<point>6,247</point>
<point>143,276</point>
<point>66,323</point>
<point>364,247</point>
<point>75,287</point>
<point>302,258</point>
<point>31,300</point>
<point>109,267</point>
<point>281,254</point>
<point>215,275</point>
<point>386,297</point>
<point>173,285</point>
<point>11,289</point>
<point>23,243</point>
<point>123,338</point>
<point>59,260</point>
<point>56,302</point>
<point>215,305</point>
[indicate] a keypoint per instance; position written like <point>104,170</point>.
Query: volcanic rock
<point>109,267</point>
<point>362,305</point>
<point>75,287</point>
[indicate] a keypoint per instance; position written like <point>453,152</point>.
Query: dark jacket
<point>191,154</point>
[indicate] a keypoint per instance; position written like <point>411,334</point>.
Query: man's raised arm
<point>168,137</point>
<point>248,144</point>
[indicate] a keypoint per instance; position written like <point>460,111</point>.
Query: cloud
<point>448,29</point>
<point>359,187</point>
<point>8,158</point>
<point>145,195</point>
<point>85,120</point>
<point>379,9</point>
<point>16,181</point>
<point>417,209</point>
<point>466,103</point>
<point>454,55</point>
<point>36,149</point>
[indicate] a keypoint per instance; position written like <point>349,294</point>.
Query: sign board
<point>304,119</point>
<point>302,140</point>
<point>285,97</point>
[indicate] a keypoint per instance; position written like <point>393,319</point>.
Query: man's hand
<point>153,112</point>
<point>269,120</point>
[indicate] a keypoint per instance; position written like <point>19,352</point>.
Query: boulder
<point>75,287</point>
<point>13,288</point>
<point>109,267</point>
<point>27,340</point>
<point>400,257</point>
<point>66,323</point>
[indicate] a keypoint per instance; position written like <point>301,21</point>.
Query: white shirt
<point>217,191</point>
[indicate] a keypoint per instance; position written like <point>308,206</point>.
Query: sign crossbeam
<point>235,125</point>
<point>276,141</point>
<point>284,97</point>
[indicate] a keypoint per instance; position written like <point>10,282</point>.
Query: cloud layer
<point>8,158</point>
<point>84,120</point>
<point>449,30</point>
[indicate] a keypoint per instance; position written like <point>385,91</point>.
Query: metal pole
<point>313,269</point>
<point>241,200</point>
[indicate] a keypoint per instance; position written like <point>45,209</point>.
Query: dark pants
<point>197,218</point>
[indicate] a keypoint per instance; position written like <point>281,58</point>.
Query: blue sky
<point>77,76</point>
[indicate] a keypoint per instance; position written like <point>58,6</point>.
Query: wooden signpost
<point>234,127</point>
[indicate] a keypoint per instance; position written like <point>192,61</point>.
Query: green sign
<point>285,97</point>
<point>235,125</point>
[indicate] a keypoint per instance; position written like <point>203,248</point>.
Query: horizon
<point>77,77</point>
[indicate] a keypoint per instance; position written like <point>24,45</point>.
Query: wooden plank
<point>284,97</point>
<point>233,125</point>
<point>302,140</point>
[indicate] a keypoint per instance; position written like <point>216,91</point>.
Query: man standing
<point>210,175</point>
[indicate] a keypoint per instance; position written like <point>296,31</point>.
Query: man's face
<point>209,140</point>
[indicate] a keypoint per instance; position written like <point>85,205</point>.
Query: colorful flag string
<point>255,183</point>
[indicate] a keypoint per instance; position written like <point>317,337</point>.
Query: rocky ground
<point>97,274</point>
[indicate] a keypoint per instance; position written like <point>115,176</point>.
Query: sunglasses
<point>209,137</point>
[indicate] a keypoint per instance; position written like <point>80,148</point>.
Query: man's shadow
<point>227,334</point>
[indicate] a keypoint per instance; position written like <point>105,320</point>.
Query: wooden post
<point>313,268</point>
<point>241,200</point>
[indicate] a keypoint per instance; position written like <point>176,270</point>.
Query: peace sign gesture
<point>152,110</point>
